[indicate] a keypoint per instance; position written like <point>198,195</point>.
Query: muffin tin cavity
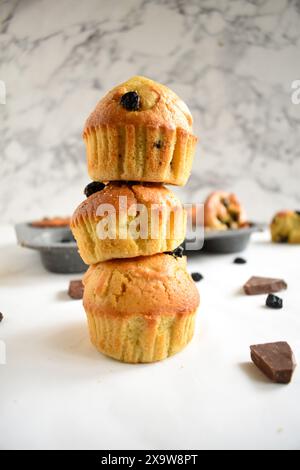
<point>57,247</point>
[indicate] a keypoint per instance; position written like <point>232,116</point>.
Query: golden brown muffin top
<point>149,286</point>
<point>284,214</point>
<point>153,105</point>
<point>146,193</point>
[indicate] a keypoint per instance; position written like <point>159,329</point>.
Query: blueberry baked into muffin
<point>285,227</point>
<point>140,131</point>
<point>223,211</point>
<point>140,310</point>
<point>150,205</point>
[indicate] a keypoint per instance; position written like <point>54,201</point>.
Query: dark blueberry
<point>283,239</point>
<point>158,144</point>
<point>240,261</point>
<point>273,301</point>
<point>93,187</point>
<point>297,212</point>
<point>131,101</point>
<point>177,253</point>
<point>197,277</point>
<point>1,317</point>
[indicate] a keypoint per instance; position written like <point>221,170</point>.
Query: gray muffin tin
<point>59,252</point>
<point>229,241</point>
<point>57,247</point>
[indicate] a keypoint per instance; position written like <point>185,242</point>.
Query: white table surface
<point>57,391</point>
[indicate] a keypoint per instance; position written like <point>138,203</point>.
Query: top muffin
<point>140,131</point>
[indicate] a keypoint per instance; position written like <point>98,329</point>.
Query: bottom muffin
<point>140,310</point>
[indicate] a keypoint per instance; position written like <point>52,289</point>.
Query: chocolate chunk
<point>93,187</point>
<point>297,212</point>
<point>76,290</point>
<point>240,261</point>
<point>131,101</point>
<point>264,285</point>
<point>1,317</point>
<point>197,277</point>
<point>274,302</point>
<point>275,360</point>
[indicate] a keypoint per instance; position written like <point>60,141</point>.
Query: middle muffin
<point>126,220</point>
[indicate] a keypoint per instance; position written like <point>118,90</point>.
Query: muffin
<point>223,211</point>
<point>140,310</point>
<point>51,222</point>
<point>140,131</point>
<point>128,220</point>
<point>285,227</point>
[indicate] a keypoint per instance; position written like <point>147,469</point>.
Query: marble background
<point>233,62</point>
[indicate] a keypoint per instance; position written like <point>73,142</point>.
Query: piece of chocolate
<point>275,360</point>
<point>264,285</point>
<point>1,317</point>
<point>76,289</point>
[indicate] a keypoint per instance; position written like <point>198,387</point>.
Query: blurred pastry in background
<point>51,222</point>
<point>285,227</point>
<point>223,211</point>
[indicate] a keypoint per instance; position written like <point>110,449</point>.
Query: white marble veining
<point>232,61</point>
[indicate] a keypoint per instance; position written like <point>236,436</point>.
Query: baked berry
<point>1,317</point>
<point>239,260</point>
<point>177,253</point>
<point>273,301</point>
<point>158,144</point>
<point>297,212</point>
<point>131,101</point>
<point>93,187</point>
<point>197,277</point>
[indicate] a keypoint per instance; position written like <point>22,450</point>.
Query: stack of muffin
<point>139,298</point>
